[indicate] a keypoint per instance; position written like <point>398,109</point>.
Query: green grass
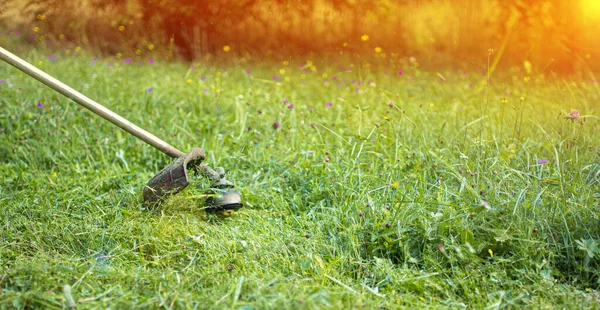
<point>437,200</point>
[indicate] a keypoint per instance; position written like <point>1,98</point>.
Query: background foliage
<point>561,32</point>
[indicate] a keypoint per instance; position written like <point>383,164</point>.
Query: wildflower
<point>127,60</point>
<point>137,52</point>
<point>378,50</point>
<point>285,100</point>
<point>290,106</point>
<point>491,252</point>
<point>189,81</point>
<point>311,110</point>
<point>412,59</point>
<point>431,105</point>
<point>226,48</point>
<point>40,63</point>
<point>77,49</point>
<point>401,72</point>
<point>504,100</point>
<point>94,60</point>
<point>526,79</point>
<point>61,36</point>
<point>40,105</point>
<point>2,82</point>
<point>361,214</point>
<point>573,115</point>
<point>52,57</point>
<point>203,78</point>
<point>150,47</point>
<point>151,61</point>
<point>275,78</point>
<point>276,125</point>
<point>542,161</point>
<point>364,37</point>
<point>328,104</point>
<point>440,248</point>
<point>396,184</point>
<point>121,28</point>
<point>41,16</point>
<point>149,90</point>
<point>36,29</point>
<point>248,72</point>
<point>118,55</point>
<point>390,104</point>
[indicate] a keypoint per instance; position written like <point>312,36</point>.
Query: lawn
<point>373,186</point>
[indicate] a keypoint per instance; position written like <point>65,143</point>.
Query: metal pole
<point>89,104</point>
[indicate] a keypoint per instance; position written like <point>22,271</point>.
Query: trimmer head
<point>223,200</point>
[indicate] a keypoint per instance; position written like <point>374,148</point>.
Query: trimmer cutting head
<point>222,200</point>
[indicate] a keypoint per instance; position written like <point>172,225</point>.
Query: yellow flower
<point>41,16</point>
<point>121,28</point>
<point>281,71</point>
<point>40,63</point>
<point>218,73</point>
<point>77,49</point>
<point>287,78</point>
<point>226,48</point>
<point>345,44</point>
<point>431,105</point>
<point>504,100</point>
<point>526,79</point>
<point>68,52</point>
<point>378,50</point>
<point>387,118</point>
<point>522,99</point>
<point>491,252</point>
<point>396,184</point>
<point>313,68</point>
<point>36,29</point>
<point>303,76</point>
<point>150,47</point>
<point>285,63</point>
<point>61,36</point>
<point>324,75</point>
<point>137,52</point>
<point>119,55</point>
<point>53,175</point>
<point>416,64</point>
<point>364,37</point>
<point>189,81</point>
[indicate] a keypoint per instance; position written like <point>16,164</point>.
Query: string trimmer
<point>223,200</point>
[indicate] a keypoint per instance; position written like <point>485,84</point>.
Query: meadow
<point>366,185</point>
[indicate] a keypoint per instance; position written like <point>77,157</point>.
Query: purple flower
<point>2,82</point>
<point>206,91</point>
<point>401,72</point>
<point>151,61</point>
<point>52,57</point>
<point>109,64</point>
<point>542,161</point>
<point>94,60</point>
<point>311,110</point>
<point>334,77</point>
<point>290,106</point>
<point>127,60</point>
<point>276,125</point>
<point>248,72</point>
<point>40,105</point>
<point>149,90</point>
<point>275,78</point>
<point>285,100</point>
<point>203,78</point>
<point>17,33</point>
<point>328,104</point>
